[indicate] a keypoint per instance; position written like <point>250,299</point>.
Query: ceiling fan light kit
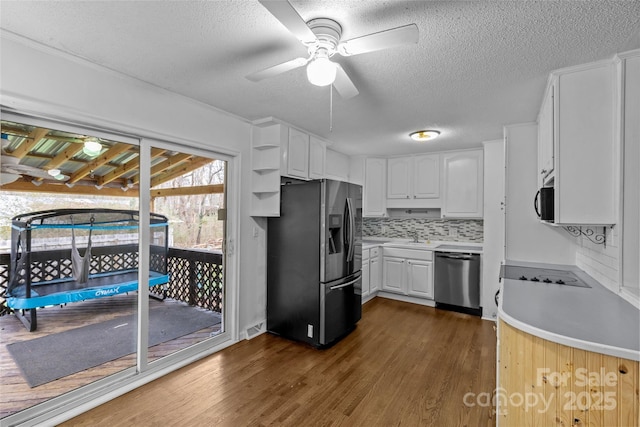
<point>54,172</point>
<point>424,135</point>
<point>321,71</point>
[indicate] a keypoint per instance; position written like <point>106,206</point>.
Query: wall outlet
<point>310,331</point>
<point>453,232</point>
<point>255,231</point>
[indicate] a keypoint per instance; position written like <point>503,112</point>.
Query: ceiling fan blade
<point>343,84</point>
<point>289,17</point>
<point>277,69</point>
<point>11,165</point>
<point>407,34</point>
<point>26,170</point>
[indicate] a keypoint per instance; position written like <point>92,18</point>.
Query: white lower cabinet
<point>393,280</point>
<point>420,278</point>
<point>408,272</point>
<point>366,278</point>
<point>374,270</point>
<point>370,272</point>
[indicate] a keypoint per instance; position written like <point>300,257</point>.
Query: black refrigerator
<point>314,261</point>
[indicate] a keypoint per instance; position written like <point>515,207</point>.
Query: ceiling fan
<point>11,169</point>
<point>322,38</point>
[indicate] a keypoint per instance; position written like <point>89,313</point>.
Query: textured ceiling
<point>477,65</point>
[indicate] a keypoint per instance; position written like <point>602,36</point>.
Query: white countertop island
<point>593,319</point>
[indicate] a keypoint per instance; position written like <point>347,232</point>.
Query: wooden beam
<point>180,170</point>
<point>169,162</point>
<point>132,164</point>
<point>60,188</point>
<point>25,146</point>
<point>62,157</point>
<point>13,130</point>
<point>188,191</point>
<point>102,159</point>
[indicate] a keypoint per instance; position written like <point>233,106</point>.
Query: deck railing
<point>195,276</point>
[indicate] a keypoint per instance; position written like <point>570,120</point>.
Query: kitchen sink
<point>419,245</point>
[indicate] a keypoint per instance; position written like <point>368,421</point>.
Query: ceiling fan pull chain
<point>330,108</point>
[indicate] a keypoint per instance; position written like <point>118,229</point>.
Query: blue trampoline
<point>40,276</point>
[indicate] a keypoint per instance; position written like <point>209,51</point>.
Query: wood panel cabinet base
<point>543,383</point>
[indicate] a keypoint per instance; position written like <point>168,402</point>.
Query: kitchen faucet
<point>414,233</point>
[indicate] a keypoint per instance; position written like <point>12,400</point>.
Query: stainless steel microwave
<point>543,204</point>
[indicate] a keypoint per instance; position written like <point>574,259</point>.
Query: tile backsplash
<point>459,230</point>
<point>600,261</point>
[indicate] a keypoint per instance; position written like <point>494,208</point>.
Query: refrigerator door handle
<point>352,226</point>
<point>344,285</point>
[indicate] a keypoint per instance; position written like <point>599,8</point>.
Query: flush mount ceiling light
<point>92,147</point>
<point>424,135</point>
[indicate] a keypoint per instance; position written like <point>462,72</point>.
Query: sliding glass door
<point>116,260</point>
<point>188,189</point>
<point>69,242</point>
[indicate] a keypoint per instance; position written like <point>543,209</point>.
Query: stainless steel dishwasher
<point>457,282</point>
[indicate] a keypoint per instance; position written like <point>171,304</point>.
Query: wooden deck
<point>16,395</point>
<point>405,364</point>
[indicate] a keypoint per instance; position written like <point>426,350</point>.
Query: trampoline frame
<point>27,296</point>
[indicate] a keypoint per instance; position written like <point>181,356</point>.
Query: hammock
<point>80,264</point>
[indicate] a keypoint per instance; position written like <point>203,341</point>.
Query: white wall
<point>47,83</point>
<point>494,224</point>
<point>526,238</point>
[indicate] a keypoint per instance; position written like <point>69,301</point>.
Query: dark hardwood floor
<point>404,364</point>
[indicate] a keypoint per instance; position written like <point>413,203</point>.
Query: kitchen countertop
<point>466,247</point>
<point>593,319</point>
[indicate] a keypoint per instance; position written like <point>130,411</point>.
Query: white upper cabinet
<point>546,136</point>
<point>426,176</point>
<point>584,130</point>
<point>295,155</point>
<point>413,181</point>
<point>463,184</point>
<point>399,178</point>
<point>317,156</point>
<point>375,172</point>
<point>278,150</point>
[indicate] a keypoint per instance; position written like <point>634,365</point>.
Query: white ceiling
<point>477,66</point>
